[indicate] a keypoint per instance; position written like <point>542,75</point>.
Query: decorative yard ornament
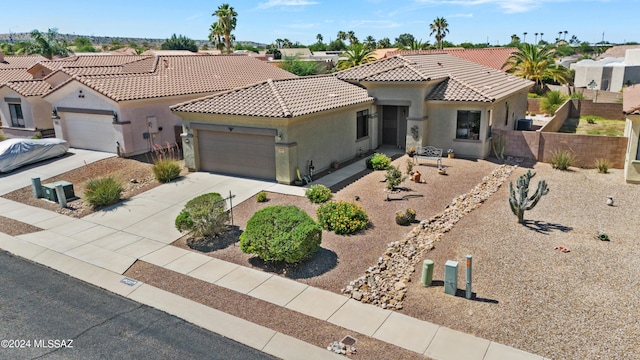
<point>610,200</point>
<point>519,198</point>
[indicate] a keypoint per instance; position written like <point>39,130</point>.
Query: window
<point>468,125</point>
<point>506,114</point>
<point>638,150</point>
<point>17,120</point>
<point>362,124</point>
<point>490,124</point>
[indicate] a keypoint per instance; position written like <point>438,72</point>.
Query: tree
<point>287,44</point>
<point>536,39</point>
<point>319,37</point>
<point>227,17</point>
<point>351,36</point>
<point>384,43</point>
<point>179,43</point>
<point>404,40</point>
<point>439,27</point>
<point>565,35</point>
<point>519,199</point>
<point>299,67</point>
<point>419,45</point>
<point>216,35</point>
<point>537,64</point>
<point>574,40</point>
<point>357,54</point>
<point>524,36</point>
<point>277,55</point>
<point>47,44</point>
<point>342,35</point>
<point>83,44</point>
<point>337,45</point>
<point>515,39</point>
<point>370,42</point>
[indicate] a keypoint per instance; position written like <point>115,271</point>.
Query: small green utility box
<point>49,190</point>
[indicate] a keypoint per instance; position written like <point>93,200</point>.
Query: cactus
<point>498,144</point>
<point>519,197</point>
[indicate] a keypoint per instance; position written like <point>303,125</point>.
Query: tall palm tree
<point>216,35</point>
<point>524,36</point>
<point>370,42</point>
<point>418,45</point>
<point>46,44</point>
<point>384,43</point>
<point>357,54</point>
<point>536,39</point>
<point>565,35</point>
<point>319,37</point>
<point>287,44</point>
<point>536,64</point>
<point>515,39</point>
<point>439,26</point>
<point>541,36</point>
<point>342,35</point>
<point>352,37</point>
<point>227,17</point>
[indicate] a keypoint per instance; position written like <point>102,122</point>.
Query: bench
<point>428,153</point>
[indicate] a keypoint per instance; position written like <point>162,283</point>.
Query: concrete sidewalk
<point>100,247</point>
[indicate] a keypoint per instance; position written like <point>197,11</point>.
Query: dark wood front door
<point>390,125</point>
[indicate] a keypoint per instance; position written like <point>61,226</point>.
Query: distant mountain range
<point>105,40</point>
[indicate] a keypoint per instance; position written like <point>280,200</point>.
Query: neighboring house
<point>303,53</point>
<point>493,57</point>
<point>270,129</point>
<point>608,74</point>
<point>631,108</point>
<point>120,104</point>
<point>23,113</point>
<point>441,100</point>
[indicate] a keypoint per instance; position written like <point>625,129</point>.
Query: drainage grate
<point>348,340</point>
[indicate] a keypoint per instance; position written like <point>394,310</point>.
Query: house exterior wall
<point>323,138</point>
<point>35,111</point>
<point>631,163</point>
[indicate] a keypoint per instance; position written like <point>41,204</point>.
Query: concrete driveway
<point>75,158</point>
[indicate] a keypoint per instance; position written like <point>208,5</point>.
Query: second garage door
<point>247,155</point>
<point>90,131</point>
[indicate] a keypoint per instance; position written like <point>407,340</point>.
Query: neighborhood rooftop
<point>493,57</point>
<point>465,80</point>
<point>281,98</point>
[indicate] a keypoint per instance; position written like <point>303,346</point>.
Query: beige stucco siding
<point>35,111</point>
<point>632,166</point>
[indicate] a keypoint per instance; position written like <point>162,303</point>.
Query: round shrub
<point>378,162</point>
<point>318,193</point>
<point>281,233</point>
<point>166,170</point>
<point>342,217</point>
<point>411,215</point>
<point>104,191</point>
<point>401,218</point>
<point>261,196</point>
<point>204,215</point>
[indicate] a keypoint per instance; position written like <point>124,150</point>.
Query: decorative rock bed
<point>385,284</point>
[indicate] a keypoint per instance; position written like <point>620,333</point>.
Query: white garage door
<point>89,131</point>
<point>247,155</point>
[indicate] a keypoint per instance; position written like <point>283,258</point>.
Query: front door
<point>390,125</point>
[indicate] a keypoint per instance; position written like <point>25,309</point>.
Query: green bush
<point>378,162</point>
<point>104,191</point>
<point>261,196</point>
<point>36,137</point>
<point>166,170</point>
<point>533,95</point>
<point>394,177</point>
<point>204,215</point>
<point>411,215</point>
<point>576,95</point>
<point>552,101</point>
<point>318,193</point>
<point>2,137</point>
<point>602,165</point>
<point>281,233</point>
<point>401,218</point>
<point>342,217</point>
<point>562,159</point>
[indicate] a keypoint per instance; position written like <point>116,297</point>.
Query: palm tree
<point>319,37</point>
<point>419,45</point>
<point>46,44</point>
<point>536,64</point>
<point>384,43</point>
<point>440,28</point>
<point>515,39</point>
<point>287,44</point>
<point>524,36</point>
<point>541,36</point>
<point>216,35</point>
<point>536,40</point>
<point>370,42</point>
<point>227,17</point>
<point>352,37</point>
<point>342,35</point>
<point>357,54</point>
<point>565,35</point>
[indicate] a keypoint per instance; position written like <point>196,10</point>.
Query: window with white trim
<point>468,125</point>
<point>17,120</point>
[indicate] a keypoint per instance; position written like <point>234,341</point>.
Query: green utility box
<point>49,190</point>
<point>427,272</point>
<point>451,277</point>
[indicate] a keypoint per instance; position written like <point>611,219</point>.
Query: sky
<point>263,21</point>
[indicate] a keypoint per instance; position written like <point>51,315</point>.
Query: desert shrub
<point>394,177</point>
<point>281,233</point>
<point>602,165</point>
<point>203,215</point>
<point>378,162</point>
<point>103,191</point>
<point>318,193</point>
<point>36,137</point>
<point>409,166</point>
<point>261,196</point>
<point>166,166</point>
<point>411,215</point>
<point>576,95</point>
<point>401,218</point>
<point>2,137</point>
<point>562,159</point>
<point>342,217</point>
<point>533,95</point>
<point>552,101</point>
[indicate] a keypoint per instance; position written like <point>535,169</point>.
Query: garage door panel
<point>90,131</point>
<point>237,154</point>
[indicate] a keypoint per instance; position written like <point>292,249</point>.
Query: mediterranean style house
<point>631,108</point>
<point>272,129</point>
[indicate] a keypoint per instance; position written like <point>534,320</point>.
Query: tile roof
<point>7,75</point>
<point>29,87</point>
<point>20,62</point>
<point>161,76</point>
<point>465,80</point>
<point>493,57</point>
<point>281,98</point>
<point>89,61</point>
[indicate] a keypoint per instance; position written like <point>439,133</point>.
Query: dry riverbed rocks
<point>385,284</point>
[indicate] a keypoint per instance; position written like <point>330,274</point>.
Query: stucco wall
<point>558,118</point>
<point>631,165</point>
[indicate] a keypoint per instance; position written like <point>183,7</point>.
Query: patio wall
<point>587,148</point>
<point>558,118</point>
<point>579,108</point>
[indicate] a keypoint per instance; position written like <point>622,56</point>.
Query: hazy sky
<point>301,20</point>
